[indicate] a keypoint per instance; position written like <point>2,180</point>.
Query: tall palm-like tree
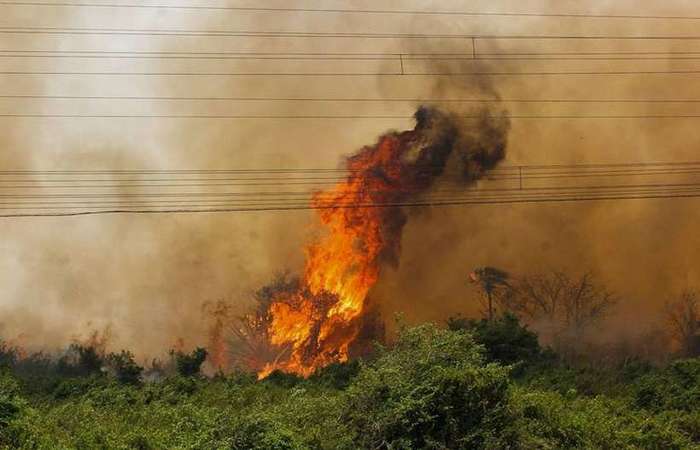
<point>489,279</point>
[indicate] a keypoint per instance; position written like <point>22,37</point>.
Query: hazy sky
<point>147,276</point>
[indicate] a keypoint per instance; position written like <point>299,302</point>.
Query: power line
<point>68,204</point>
<point>340,117</point>
<point>340,205</point>
<point>321,34</point>
<point>208,116</point>
<point>604,165</point>
<point>331,198</point>
<point>352,11</point>
<point>605,173</point>
<point>393,205</point>
<point>504,193</point>
<point>300,202</point>
<point>321,169</point>
<point>278,197</point>
<point>520,173</point>
<point>369,55</point>
<point>345,99</point>
<point>313,176</point>
<point>321,195</point>
<point>362,74</point>
<point>689,56</point>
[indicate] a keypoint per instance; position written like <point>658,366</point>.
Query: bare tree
<point>540,296</point>
<point>567,306</point>
<point>586,304</point>
<point>683,315</point>
<point>219,315</point>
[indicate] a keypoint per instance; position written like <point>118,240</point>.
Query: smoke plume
<point>147,277</point>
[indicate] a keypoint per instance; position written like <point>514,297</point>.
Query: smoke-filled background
<point>146,277</point>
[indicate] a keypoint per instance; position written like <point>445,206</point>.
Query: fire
<point>341,266</point>
<point>363,219</point>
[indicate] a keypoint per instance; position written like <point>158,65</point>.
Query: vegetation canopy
<point>472,384</point>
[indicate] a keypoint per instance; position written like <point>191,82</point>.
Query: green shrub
<point>125,368</point>
<point>263,433</point>
<point>283,379</point>
<point>189,364</point>
<point>686,422</point>
<point>506,341</point>
<point>337,375</point>
<point>112,396</point>
<point>8,356</point>
<point>550,420</point>
<point>80,360</point>
<point>172,390</point>
<point>675,387</point>
<point>12,409</point>
<point>432,390</point>
<point>75,387</point>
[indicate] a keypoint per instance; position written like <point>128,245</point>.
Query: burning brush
<point>323,316</point>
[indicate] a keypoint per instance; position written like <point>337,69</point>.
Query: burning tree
<point>324,316</point>
<point>250,344</point>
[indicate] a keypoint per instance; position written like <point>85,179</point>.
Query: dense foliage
<point>434,388</point>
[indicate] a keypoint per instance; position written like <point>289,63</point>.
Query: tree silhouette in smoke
<point>489,280</point>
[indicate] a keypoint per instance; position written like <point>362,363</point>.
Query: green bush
<point>287,380</point>
<point>8,356</point>
<point>506,341</point>
<point>432,390</point>
<point>337,375</point>
<point>12,409</point>
<point>676,387</point>
<point>550,420</point>
<point>125,368</point>
<point>262,433</point>
<point>75,387</point>
<point>80,360</point>
<point>189,364</point>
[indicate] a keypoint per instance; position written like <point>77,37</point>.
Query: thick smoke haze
<point>147,277</point>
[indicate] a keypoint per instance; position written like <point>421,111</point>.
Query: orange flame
<point>319,322</point>
<point>343,265</point>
